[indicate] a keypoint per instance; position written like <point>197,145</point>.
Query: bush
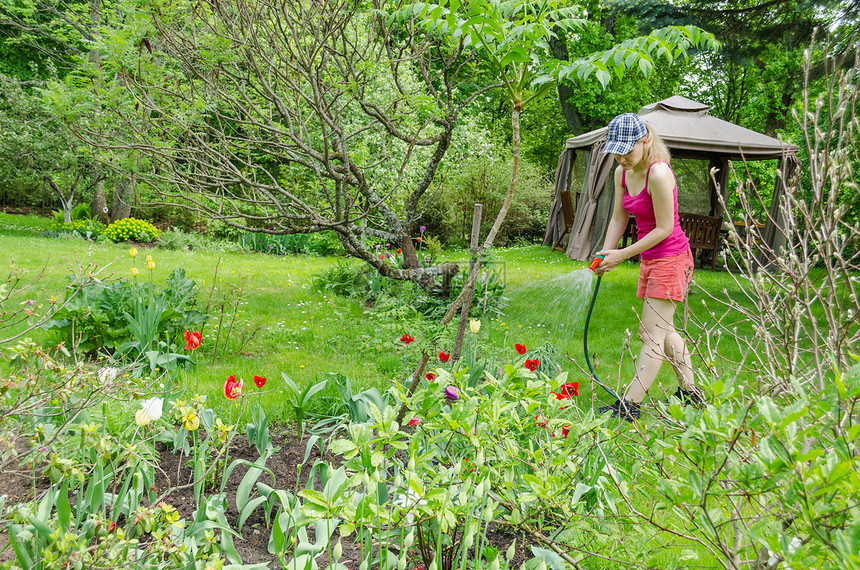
<point>86,228</point>
<point>132,229</point>
<point>324,243</point>
<point>360,281</point>
<point>486,181</point>
<point>110,316</point>
<point>175,240</point>
<point>79,212</point>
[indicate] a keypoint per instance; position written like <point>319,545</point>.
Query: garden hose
<point>595,262</point>
<point>594,377</point>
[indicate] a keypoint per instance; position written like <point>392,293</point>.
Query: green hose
<point>585,341</point>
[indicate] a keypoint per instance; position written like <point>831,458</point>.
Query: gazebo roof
<point>686,126</point>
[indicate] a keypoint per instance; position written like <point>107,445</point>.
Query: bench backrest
<point>702,231</point>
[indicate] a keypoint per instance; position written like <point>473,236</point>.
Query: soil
<point>253,545</point>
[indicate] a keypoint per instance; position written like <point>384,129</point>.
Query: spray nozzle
<point>595,262</point>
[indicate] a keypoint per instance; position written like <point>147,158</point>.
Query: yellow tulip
<point>148,258</point>
<point>474,326</point>
<point>150,265</point>
<point>192,422</point>
<point>141,418</point>
<point>133,252</point>
<point>134,272</point>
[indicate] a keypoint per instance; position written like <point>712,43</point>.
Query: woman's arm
<point>661,183</point>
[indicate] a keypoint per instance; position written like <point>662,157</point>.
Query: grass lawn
<point>278,322</point>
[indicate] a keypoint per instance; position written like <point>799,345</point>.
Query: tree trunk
<point>98,206</point>
<point>123,197</point>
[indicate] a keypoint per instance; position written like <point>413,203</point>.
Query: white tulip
<point>153,408</point>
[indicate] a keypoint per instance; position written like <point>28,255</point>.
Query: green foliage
<point>87,228</point>
<point>390,296</point>
<point>178,240</point>
<point>485,181</point>
<point>132,229</point>
<point>324,243</point>
<point>79,212</point>
<point>128,318</point>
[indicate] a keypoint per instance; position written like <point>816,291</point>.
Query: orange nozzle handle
<point>595,262</point>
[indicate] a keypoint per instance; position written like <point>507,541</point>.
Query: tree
<point>36,149</point>
<point>288,117</point>
<point>758,75</point>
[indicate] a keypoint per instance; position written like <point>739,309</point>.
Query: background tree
<point>42,40</point>
<point>758,74</point>
<point>37,151</point>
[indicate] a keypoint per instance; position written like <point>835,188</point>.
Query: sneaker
<point>689,398</point>
<point>622,409</point>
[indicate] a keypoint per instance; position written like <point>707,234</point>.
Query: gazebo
<point>583,185</point>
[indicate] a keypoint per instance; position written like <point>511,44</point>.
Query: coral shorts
<point>666,277</point>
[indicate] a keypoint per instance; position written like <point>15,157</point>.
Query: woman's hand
<point>611,259</point>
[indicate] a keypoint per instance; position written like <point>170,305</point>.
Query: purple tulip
<point>452,393</point>
<point>377,246</point>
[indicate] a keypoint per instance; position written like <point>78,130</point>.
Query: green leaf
<point>64,509</point>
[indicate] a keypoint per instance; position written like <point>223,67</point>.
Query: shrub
<point>359,281</point>
<point>79,212</point>
<point>175,239</point>
<point>323,243</point>
<point>86,228</point>
<point>110,316</point>
<point>486,181</point>
<point>132,229</point>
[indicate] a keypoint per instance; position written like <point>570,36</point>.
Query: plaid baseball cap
<point>624,131</point>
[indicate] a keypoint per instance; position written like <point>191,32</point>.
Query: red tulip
<point>520,348</point>
<point>565,430</point>
<point>232,388</point>
<point>444,356</point>
<point>532,364</point>
<point>407,338</point>
<point>260,381</point>
<point>567,391</point>
<point>414,421</point>
<point>430,376</point>
<point>193,339</point>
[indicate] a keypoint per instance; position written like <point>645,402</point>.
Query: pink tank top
<point>642,207</point>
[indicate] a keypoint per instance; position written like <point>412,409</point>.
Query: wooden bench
<point>702,231</point>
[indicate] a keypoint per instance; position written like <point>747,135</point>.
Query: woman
<point>645,187</point>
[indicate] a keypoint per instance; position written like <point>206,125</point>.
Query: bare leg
<point>675,348</point>
<point>656,327</point>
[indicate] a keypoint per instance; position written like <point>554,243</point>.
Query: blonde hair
<point>655,149</point>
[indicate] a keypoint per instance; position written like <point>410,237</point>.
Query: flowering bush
<point>132,229</point>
